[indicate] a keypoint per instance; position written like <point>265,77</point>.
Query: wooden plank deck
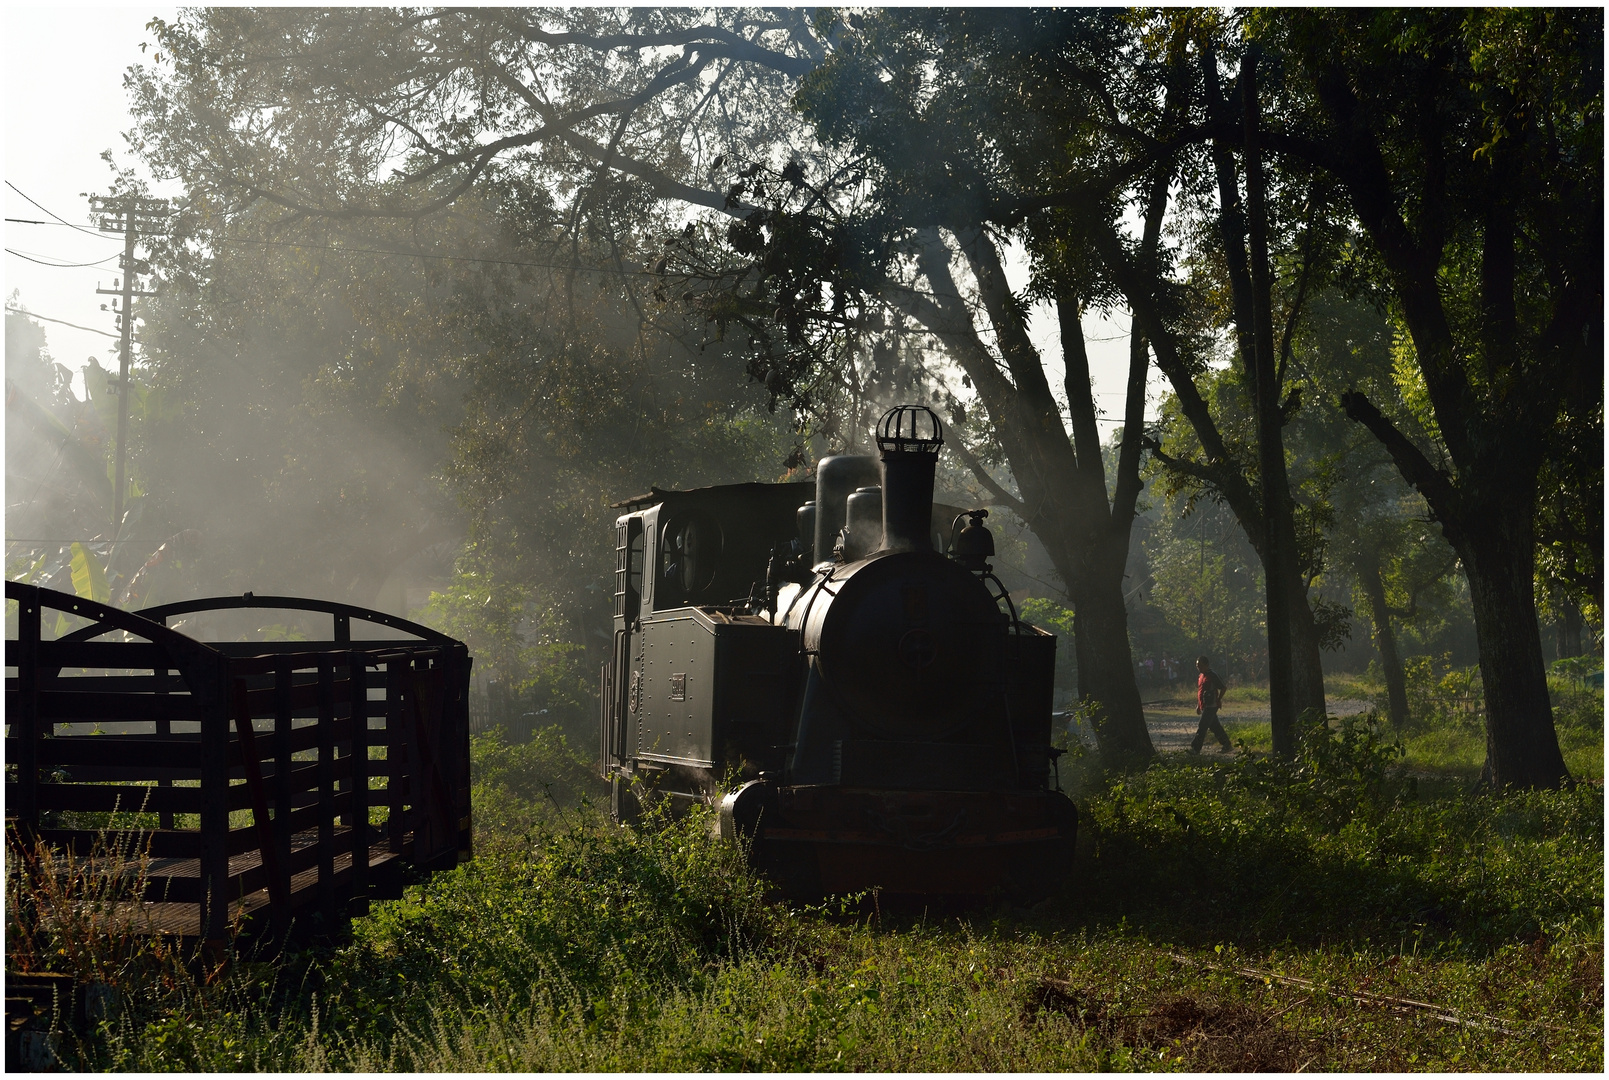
<point>252,910</point>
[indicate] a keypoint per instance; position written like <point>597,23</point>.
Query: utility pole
<point>125,214</point>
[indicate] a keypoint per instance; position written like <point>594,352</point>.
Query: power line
<point>59,322</point>
<point>36,221</point>
<point>51,212</point>
<point>59,265</point>
<point>445,258</point>
<point>366,251</point>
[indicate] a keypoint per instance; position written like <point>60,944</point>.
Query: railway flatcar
<point>841,656</point>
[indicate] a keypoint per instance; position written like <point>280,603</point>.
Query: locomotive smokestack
<point>908,438</point>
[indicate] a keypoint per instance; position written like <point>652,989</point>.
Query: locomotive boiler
<point>883,713</point>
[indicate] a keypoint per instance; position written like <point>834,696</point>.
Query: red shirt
<point>1208,686</point>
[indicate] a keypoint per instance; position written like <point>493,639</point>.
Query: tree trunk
<point>1489,520</point>
<point>1307,662</point>
<point>1385,640</point>
<point>1061,481</point>
<point>1567,626</point>
<point>1281,577</point>
<point>1106,669</point>
<point>1522,747</point>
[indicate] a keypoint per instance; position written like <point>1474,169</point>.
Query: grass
<point>1237,914</point>
<point>1444,743</point>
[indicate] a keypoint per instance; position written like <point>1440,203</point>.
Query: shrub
<point>1335,845</point>
<point>590,914</point>
<point>1440,695</point>
<point>520,788</point>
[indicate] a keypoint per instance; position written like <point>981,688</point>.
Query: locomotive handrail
<point>162,612</point>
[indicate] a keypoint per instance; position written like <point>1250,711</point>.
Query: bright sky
<point>64,104</point>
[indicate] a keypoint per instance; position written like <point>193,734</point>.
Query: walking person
<point>1210,690</point>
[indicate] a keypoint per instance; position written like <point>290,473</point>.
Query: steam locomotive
<point>882,709</point>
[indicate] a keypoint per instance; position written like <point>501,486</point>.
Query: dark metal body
<point>886,723</point>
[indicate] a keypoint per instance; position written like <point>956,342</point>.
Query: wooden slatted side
<point>266,790</point>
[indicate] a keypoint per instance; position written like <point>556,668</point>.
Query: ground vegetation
<point>1351,907</point>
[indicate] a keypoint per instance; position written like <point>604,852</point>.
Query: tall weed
<point>521,789</point>
<point>571,944</point>
<point>83,915</point>
<point>593,912</point>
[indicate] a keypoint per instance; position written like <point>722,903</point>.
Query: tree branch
<point>659,182</point>
<point>1438,490</point>
<point>1126,492</point>
<point>736,47</point>
<point>1170,359</point>
<point>1413,266</point>
<point>1080,396</point>
<point>1002,496</point>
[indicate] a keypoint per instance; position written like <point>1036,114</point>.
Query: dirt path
<point>1173,723</point>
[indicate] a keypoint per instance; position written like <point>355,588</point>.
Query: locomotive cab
<point>843,653</point>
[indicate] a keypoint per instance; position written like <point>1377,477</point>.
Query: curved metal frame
<point>132,622</point>
<point>161,613</point>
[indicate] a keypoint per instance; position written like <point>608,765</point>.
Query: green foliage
<point>1578,709</point>
<point>1577,668</point>
<point>600,949</point>
<point>1335,845</point>
<point>591,913</point>
<point>1442,695</point>
<point>519,640</point>
<point>1207,582</point>
<point>1051,616</point>
<point>572,944</point>
<point>523,789</point>
<point>1448,738</point>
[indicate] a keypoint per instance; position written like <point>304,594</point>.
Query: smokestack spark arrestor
<point>908,439</point>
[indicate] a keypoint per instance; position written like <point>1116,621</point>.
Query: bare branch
<point>1437,488</point>
<point>1002,496</point>
<point>716,40</point>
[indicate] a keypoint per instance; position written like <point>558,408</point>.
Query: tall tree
<point>576,102</point>
<point>400,335</point>
<point>1377,531</point>
<point>1255,249</point>
<point>1056,128</point>
<point>929,243</point>
<point>1470,146</point>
